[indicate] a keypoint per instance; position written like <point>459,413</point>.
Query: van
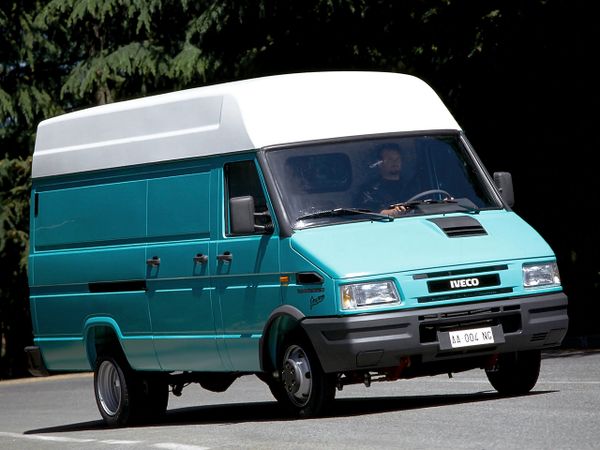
<point>313,229</point>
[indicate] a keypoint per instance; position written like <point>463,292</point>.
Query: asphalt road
<point>562,412</point>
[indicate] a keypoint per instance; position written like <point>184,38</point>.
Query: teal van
<point>315,230</point>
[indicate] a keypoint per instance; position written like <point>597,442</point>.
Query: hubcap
<point>296,375</point>
<point>109,388</point>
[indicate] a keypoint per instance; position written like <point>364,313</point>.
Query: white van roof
<point>237,116</point>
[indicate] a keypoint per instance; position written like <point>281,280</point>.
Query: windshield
<point>398,177</point>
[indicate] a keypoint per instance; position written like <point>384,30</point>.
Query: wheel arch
<point>102,336</point>
<point>281,322</point>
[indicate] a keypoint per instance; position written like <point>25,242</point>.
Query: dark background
<point>519,77</point>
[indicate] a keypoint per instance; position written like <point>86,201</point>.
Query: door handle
<point>200,258</point>
<point>225,257</point>
<point>153,262</point>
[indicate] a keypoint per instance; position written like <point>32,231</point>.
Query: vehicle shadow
<point>570,353</point>
<point>271,412</point>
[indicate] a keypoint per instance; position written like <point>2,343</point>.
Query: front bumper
<point>371,341</point>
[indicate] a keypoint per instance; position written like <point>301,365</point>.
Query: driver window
<point>241,179</point>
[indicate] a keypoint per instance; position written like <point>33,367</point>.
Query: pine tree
<point>61,55</point>
<point>26,96</point>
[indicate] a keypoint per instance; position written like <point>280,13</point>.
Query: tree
<point>24,99</point>
<point>63,55</point>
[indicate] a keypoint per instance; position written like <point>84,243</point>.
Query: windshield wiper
<point>347,212</point>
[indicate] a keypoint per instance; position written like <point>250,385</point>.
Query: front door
<point>245,270</point>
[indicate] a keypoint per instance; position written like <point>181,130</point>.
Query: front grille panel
<point>460,295</point>
<point>510,320</point>
<point>478,281</point>
<point>457,284</point>
<point>458,272</point>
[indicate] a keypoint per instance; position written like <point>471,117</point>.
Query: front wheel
<point>516,373</point>
<point>303,388</point>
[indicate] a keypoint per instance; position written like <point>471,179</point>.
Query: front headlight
<point>368,294</point>
<point>541,275</point>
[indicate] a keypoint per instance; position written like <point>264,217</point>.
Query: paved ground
<point>563,411</point>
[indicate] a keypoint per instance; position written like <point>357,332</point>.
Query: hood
<point>418,243</point>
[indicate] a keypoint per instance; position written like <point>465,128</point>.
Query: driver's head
<point>391,161</point>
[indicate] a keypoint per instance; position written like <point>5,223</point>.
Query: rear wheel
<point>124,396</point>
<point>113,392</point>
<point>154,396</point>
<point>303,388</point>
<point>516,373</point>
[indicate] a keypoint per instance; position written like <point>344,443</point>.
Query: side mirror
<point>243,216</point>
<point>503,181</point>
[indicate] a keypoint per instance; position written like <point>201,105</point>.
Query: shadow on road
<point>271,412</point>
<point>569,353</point>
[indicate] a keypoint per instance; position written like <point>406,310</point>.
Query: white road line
<point>36,437</point>
<point>171,446</point>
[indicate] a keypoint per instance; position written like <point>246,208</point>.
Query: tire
<point>154,397</point>
<point>124,397</point>
<point>303,389</point>
<point>516,373</point>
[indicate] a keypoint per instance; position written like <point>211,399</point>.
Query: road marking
<point>67,440</point>
<point>162,445</point>
<point>34,437</point>
<point>170,446</point>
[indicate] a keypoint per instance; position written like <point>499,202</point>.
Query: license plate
<point>470,338</point>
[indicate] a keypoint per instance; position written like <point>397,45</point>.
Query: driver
<point>390,186</point>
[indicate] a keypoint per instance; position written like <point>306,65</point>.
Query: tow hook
<point>491,365</point>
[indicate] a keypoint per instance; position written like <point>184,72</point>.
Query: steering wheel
<point>428,193</point>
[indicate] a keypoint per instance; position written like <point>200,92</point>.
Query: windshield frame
<point>288,226</point>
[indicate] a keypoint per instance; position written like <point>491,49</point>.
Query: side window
<point>242,181</point>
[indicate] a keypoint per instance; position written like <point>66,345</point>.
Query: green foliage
<point>25,98</point>
<point>116,50</point>
<point>190,64</point>
<point>61,55</point>
<point>6,108</point>
<point>15,186</point>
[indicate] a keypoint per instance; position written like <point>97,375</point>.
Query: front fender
<point>281,322</point>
